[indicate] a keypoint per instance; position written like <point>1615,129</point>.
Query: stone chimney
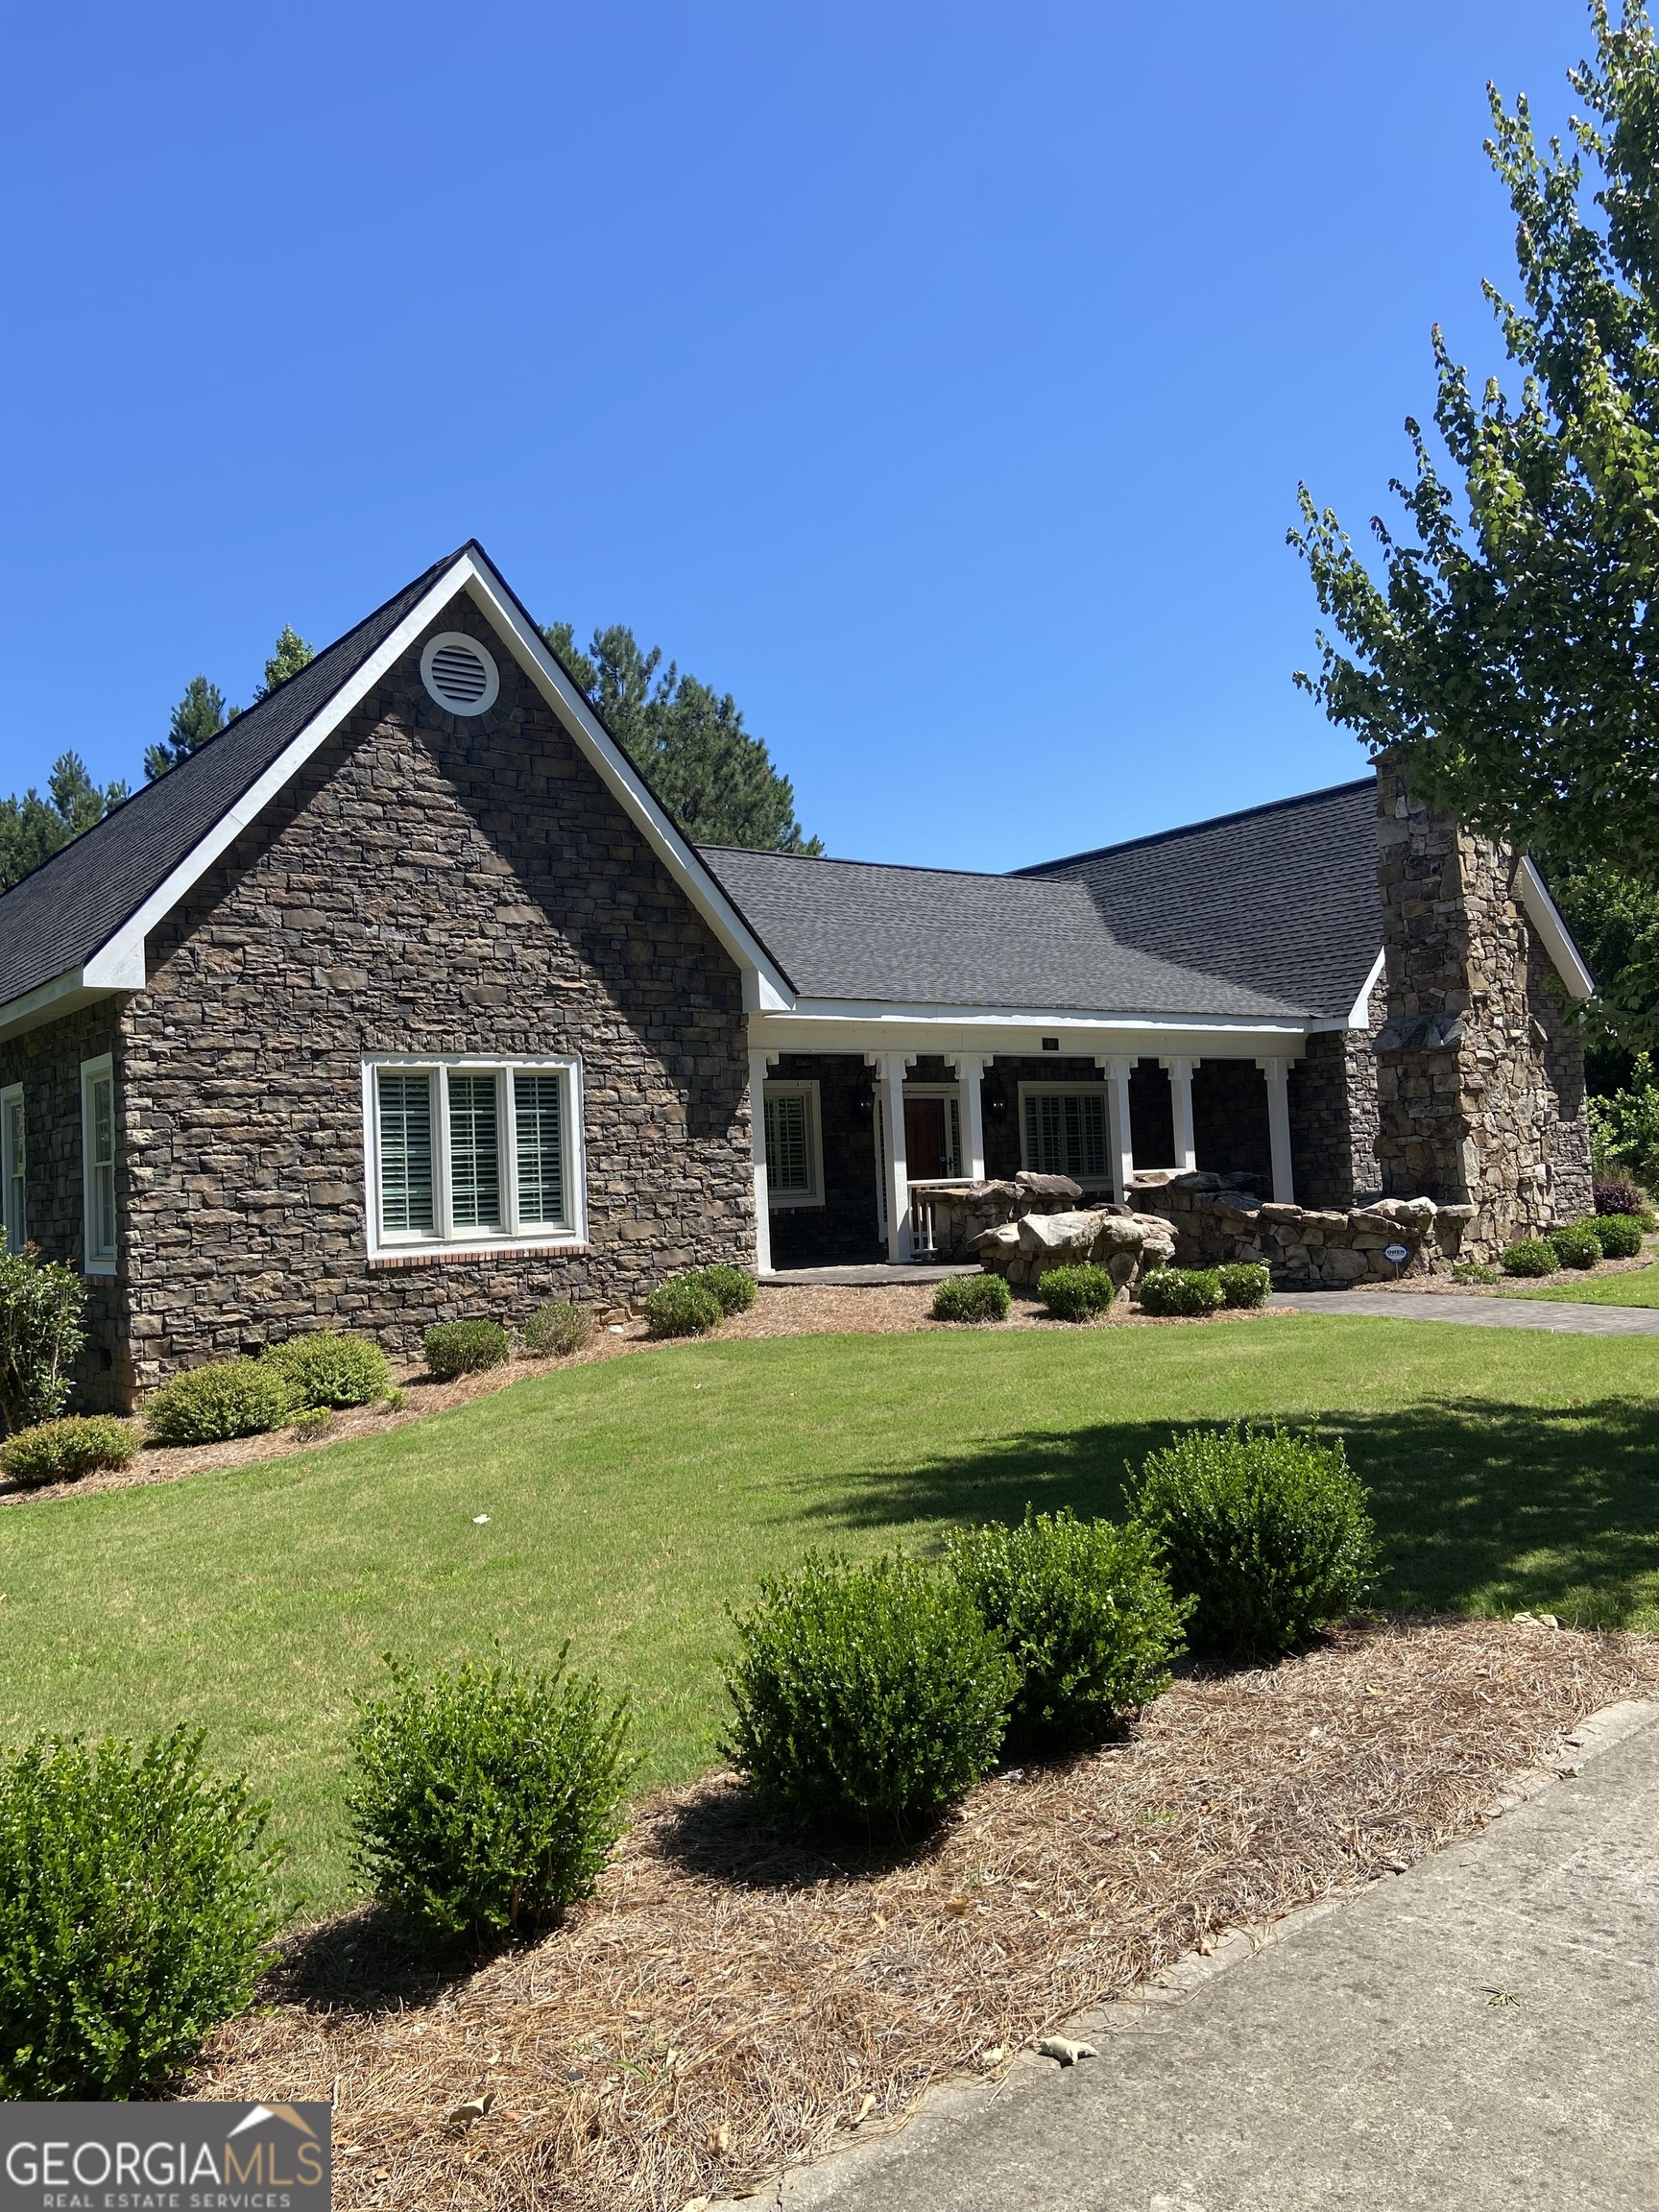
<point>1479,1080</point>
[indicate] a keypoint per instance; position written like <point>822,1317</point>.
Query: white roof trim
<point>1041,1017</point>
<point>119,963</point>
<point>1545,917</point>
<point>1360,1013</point>
<point>58,995</point>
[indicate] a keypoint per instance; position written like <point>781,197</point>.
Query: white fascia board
<point>832,1026</point>
<point>1359,1014</point>
<point>49,1001</point>
<point>765,986</point>
<point>1545,917</point>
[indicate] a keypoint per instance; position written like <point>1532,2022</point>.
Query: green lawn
<point>1639,1287</point>
<point>629,1501</point>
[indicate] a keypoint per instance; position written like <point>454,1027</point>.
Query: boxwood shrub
<point>62,1451</point>
<point>456,1348</point>
<point>1182,1292</point>
<point>971,1298</point>
<point>683,1306</point>
<point>1575,1246</point>
<point>135,1905</point>
<point>866,1698</point>
<point>1086,1612</point>
<point>734,1289</point>
<point>1077,1293</point>
<point>327,1369</point>
<point>211,1405</point>
<point>485,1799</point>
<point>1530,1257</point>
<point>558,1329</point>
<point>1267,1533</point>
<point>1245,1283</point>
<point>1619,1235</point>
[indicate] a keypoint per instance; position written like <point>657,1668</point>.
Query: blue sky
<point>935,378</point>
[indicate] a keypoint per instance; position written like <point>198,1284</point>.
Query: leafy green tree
<point>1615,922</point>
<point>199,715</point>
<point>716,780</point>
<point>1508,657</point>
<point>289,656</point>
<point>32,829</point>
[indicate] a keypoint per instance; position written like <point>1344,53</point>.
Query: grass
<point>1640,1287</point>
<point>630,1503</point>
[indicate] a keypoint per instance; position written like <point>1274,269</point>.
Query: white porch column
<point>1278,1074</point>
<point>970,1069</point>
<point>758,1061</point>
<point>1118,1071</point>
<point>898,1164</point>
<point>1181,1101</point>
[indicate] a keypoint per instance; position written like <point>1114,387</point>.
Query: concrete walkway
<point>1478,2033</point>
<point>1479,1313</point>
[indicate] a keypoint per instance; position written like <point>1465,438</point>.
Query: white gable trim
<point>119,963</point>
<point>1360,1013</point>
<point>1545,917</point>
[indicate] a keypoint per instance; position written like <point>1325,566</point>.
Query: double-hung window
<point>14,1170</point>
<point>98,1166</point>
<point>467,1152</point>
<point>1063,1128</point>
<point>794,1145</point>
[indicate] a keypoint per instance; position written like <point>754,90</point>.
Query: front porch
<point>851,1141</point>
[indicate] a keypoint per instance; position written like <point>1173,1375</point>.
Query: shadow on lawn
<point>1482,1506</point>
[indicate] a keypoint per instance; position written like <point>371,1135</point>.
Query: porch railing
<point>921,1243</point>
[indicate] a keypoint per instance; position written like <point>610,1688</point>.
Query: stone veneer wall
<point>47,1063</point>
<point>1218,1220</point>
<point>1334,1119</point>
<point>1478,1103</point>
<point>842,1231</point>
<point>424,885</point>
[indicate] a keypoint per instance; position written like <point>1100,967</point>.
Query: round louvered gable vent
<point>459,673</point>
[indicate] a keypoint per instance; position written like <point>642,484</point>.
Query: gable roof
<point>1280,899</point>
<point>75,927</point>
<point>862,931</point>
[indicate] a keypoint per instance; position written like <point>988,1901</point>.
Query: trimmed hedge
<point>1530,1257</point>
<point>1182,1292</point>
<point>1619,1235</point>
<point>1475,1271</point>
<point>1086,1612</point>
<point>971,1298</point>
<point>1267,1533</point>
<point>135,1905</point>
<point>683,1306</point>
<point>485,1800</point>
<point>212,1405</point>
<point>1575,1246</point>
<point>63,1451</point>
<point>1245,1283</point>
<point>866,1698</point>
<point>735,1289</point>
<point>1077,1293</point>
<point>327,1369</point>
<point>556,1329</point>
<point>457,1348</point>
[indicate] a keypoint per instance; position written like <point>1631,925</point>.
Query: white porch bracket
<point>759,1062</point>
<point>1116,1069</point>
<point>1180,1071</point>
<point>970,1068</point>
<point>1278,1074</point>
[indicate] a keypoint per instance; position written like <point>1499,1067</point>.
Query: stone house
<point>404,999</point>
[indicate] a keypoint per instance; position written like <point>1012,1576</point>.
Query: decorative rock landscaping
<point>1218,1218</point>
<point>1127,1244</point>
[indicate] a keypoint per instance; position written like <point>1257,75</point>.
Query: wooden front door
<point>926,1150</point>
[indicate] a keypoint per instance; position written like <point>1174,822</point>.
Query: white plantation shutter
<point>538,1124</point>
<point>406,1197</point>
<point>475,1152</point>
<point>1066,1133</point>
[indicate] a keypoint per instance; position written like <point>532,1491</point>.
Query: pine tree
<point>32,829</point>
<point>689,742</point>
<point>291,653</point>
<point>199,715</point>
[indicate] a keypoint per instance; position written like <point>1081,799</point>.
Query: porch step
<point>870,1277</point>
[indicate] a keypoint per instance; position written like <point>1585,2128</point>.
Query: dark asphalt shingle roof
<point>56,918</point>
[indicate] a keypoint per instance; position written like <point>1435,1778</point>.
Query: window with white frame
<point>794,1145</point>
<point>98,1166</point>
<point>472,1151</point>
<point>14,1170</point>
<point>1063,1130</point>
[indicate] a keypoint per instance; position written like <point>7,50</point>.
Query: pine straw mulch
<point>731,2003</point>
